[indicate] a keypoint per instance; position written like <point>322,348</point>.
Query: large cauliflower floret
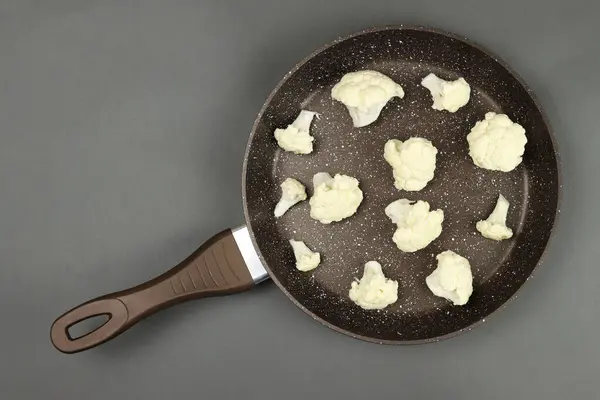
<point>292,192</point>
<point>497,143</point>
<point>447,95</point>
<point>306,260</point>
<point>452,279</point>
<point>413,162</point>
<point>365,93</point>
<point>373,291</point>
<point>334,198</point>
<point>296,137</point>
<point>417,226</point>
<point>494,227</point>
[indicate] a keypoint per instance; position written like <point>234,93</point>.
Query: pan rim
<point>421,28</point>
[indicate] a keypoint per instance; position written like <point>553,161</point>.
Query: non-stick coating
<point>465,192</point>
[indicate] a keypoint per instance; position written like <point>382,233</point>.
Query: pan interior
<point>465,193</point>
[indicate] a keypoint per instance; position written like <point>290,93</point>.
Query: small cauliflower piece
<point>497,143</point>
<point>494,227</point>
<point>306,260</point>
<point>365,93</point>
<point>334,198</point>
<point>292,192</point>
<point>296,137</point>
<point>417,226</point>
<point>447,95</point>
<point>373,291</point>
<point>452,279</point>
<point>412,161</point>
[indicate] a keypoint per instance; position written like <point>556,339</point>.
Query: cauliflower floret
<point>452,279</point>
<point>417,226</point>
<point>334,198</point>
<point>306,259</point>
<point>413,162</point>
<point>365,93</point>
<point>447,95</point>
<point>497,143</point>
<point>373,291</point>
<point>296,137</point>
<point>494,227</point>
<point>292,192</point>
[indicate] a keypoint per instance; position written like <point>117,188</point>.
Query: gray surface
<point>122,131</point>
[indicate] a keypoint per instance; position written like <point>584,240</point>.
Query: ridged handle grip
<point>216,268</point>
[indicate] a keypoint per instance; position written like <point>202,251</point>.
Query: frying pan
<point>237,259</point>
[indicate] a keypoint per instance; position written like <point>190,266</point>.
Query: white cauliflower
<point>412,161</point>
<point>497,143</point>
<point>494,227</point>
<point>452,279</point>
<point>306,259</point>
<point>334,198</point>
<point>447,95</point>
<point>417,226</point>
<point>373,291</point>
<point>365,93</point>
<point>292,192</point>
<point>296,137</point>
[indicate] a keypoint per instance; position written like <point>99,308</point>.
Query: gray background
<point>122,131</point>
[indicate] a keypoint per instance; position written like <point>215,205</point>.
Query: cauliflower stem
<point>494,227</point>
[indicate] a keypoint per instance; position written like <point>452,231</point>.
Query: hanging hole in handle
<point>115,324</point>
<point>85,327</point>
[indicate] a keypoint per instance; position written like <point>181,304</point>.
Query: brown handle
<point>216,268</point>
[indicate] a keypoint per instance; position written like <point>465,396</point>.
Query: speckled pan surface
<point>465,192</point>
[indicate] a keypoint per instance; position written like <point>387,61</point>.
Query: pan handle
<point>216,268</point>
